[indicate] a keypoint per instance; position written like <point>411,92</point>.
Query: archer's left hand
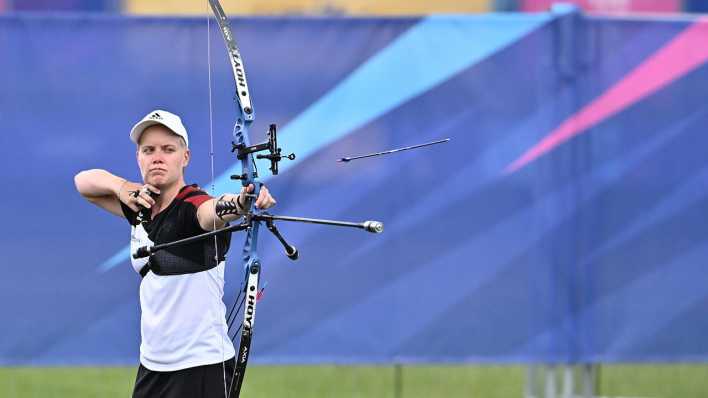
<point>264,200</point>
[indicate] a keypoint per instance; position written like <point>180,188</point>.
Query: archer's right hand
<point>138,196</point>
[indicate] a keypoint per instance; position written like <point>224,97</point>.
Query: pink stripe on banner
<point>608,5</point>
<point>685,52</point>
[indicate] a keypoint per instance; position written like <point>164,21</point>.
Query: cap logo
<point>155,116</point>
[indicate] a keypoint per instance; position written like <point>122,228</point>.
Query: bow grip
<point>251,197</point>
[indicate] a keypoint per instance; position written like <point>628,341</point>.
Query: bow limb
<point>245,117</point>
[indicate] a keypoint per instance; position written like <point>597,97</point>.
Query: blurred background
<point>555,247</point>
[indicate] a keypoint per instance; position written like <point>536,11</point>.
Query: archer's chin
<point>157,181</point>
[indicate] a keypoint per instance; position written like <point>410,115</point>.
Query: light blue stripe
<point>430,53</point>
<point>116,259</point>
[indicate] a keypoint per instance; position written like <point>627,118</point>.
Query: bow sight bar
<point>271,146</point>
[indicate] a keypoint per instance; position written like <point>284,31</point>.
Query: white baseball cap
<point>158,116</point>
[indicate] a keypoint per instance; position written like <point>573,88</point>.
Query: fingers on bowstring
<point>144,200</point>
<point>149,193</point>
<point>150,188</point>
<point>146,196</point>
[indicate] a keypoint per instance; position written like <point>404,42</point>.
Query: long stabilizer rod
<point>375,227</point>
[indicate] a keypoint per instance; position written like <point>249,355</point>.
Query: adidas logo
<point>155,116</point>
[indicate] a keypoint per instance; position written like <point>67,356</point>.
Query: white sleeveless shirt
<point>183,317</point>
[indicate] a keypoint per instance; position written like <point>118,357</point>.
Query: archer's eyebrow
<point>165,146</point>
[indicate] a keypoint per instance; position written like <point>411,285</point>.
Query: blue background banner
<point>564,222</point>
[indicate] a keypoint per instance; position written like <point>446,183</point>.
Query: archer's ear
<point>187,157</point>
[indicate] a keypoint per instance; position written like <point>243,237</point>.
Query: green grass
<point>667,381</point>
<point>655,381</point>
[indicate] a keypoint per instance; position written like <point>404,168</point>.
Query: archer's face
<point>162,156</point>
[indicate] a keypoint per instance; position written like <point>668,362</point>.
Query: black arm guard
<point>224,207</point>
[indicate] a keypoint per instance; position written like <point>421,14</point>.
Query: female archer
<point>185,348</point>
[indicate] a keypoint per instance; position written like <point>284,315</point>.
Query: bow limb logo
<point>250,310</point>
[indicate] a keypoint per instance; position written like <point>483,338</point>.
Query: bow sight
<point>271,146</point>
